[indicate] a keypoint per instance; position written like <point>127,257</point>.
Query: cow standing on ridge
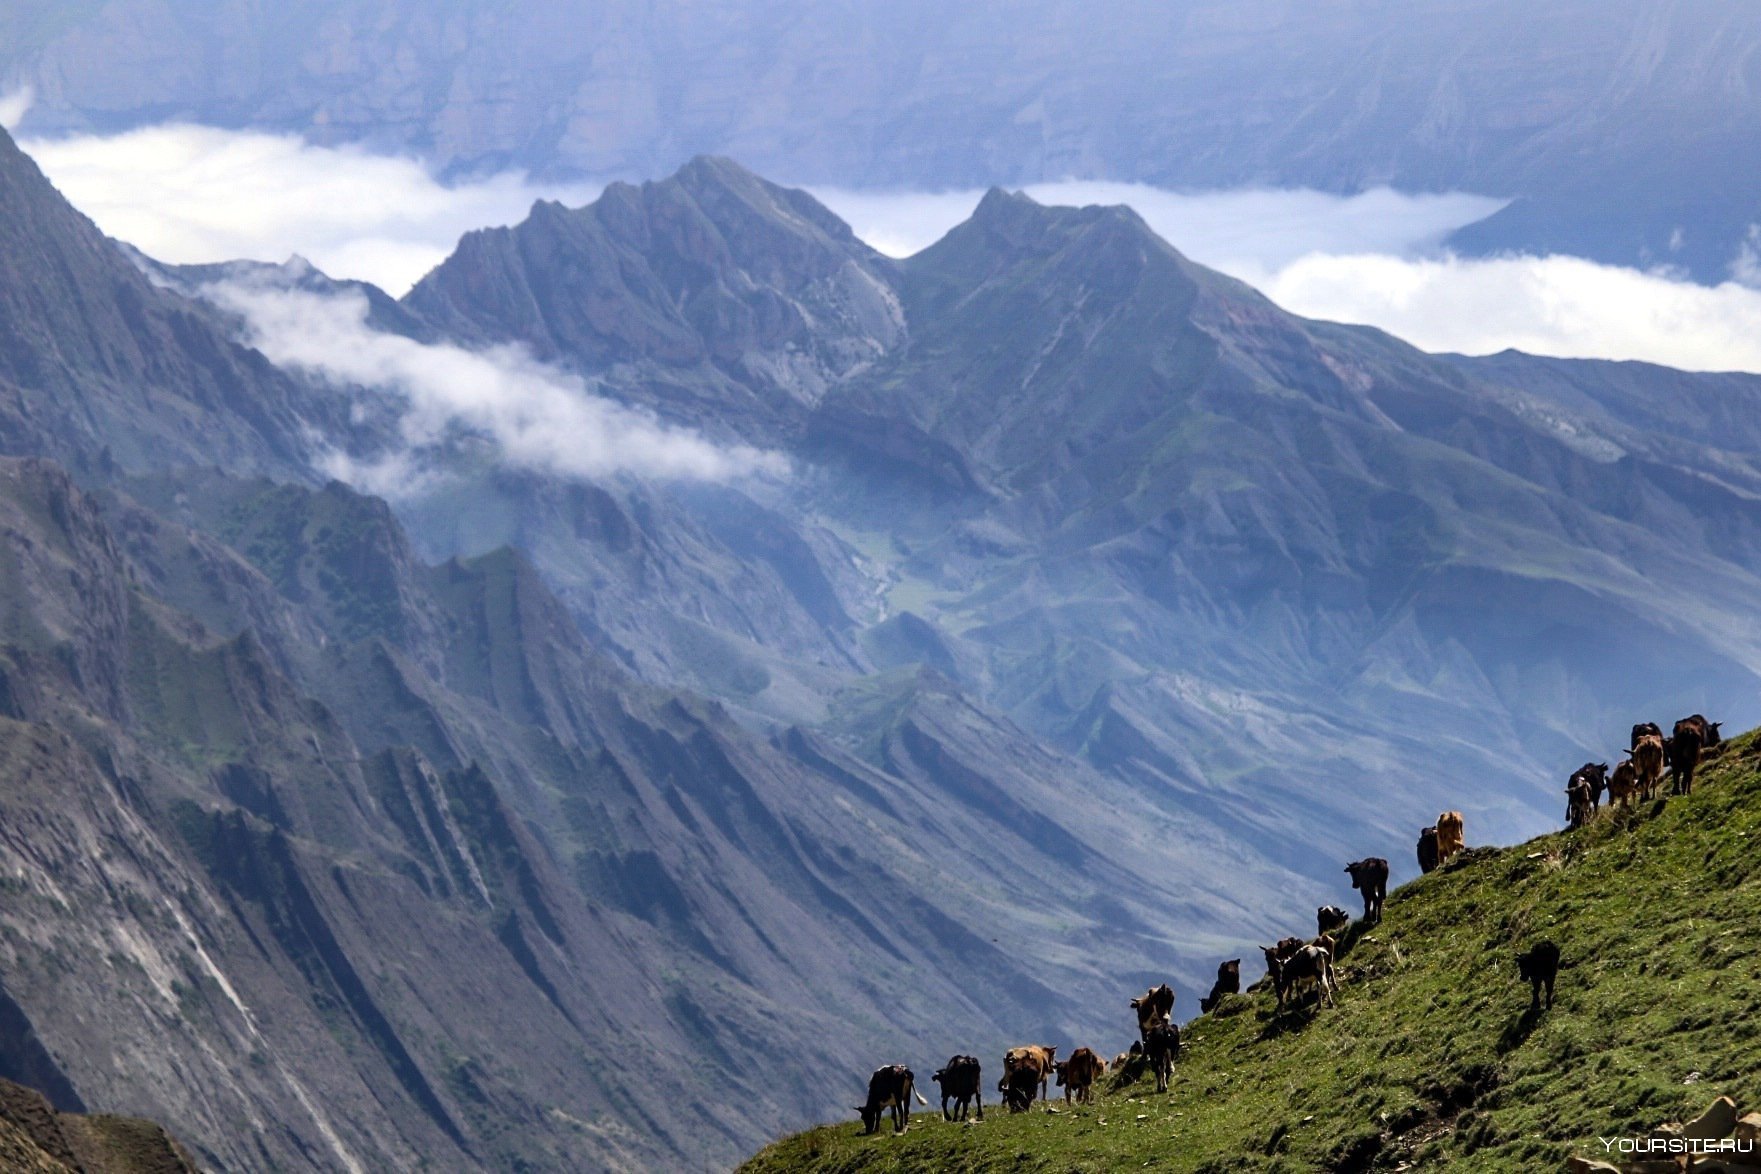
<point>1153,1006</point>
<point>1370,876</point>
<point>1162,1046</point>
<point>1428,850</point>
<point>960,1083</point>
<point>1450,838</point>
<point>1684,757</point>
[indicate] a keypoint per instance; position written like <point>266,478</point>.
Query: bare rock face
<point>37,1139</point>
<point>712,277</point>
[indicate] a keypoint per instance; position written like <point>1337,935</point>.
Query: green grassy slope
<point>1431,1059</point>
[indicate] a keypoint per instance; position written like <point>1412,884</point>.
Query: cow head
<point>1060,1068</point>
<point>870,1117</point>
<point>1713,737</point>
<point>1357,870</point>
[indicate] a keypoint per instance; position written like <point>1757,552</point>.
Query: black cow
<point>890,1089</point>
<point>1162,1045</point>
<point>1370,875</point>
<point>1329,918</point>
<point>1578,808</point>
<point>1018,1087</point>
<point>959,1081</point>
<point>1228,983</point>
<point>1640,730</point>
<point>1428,850</point>
<point>1684,753</point>
<point>1539,966</point>
<point>1595,777</point>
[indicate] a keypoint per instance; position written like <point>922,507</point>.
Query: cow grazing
<point>1577,804</point>
<point>1306,966</point>
<point>1428,850</point>
<point>1623,784</point>
<point>1153,1006</point>
<point>1228,983</point>
<point>1648,764</point>
<point>1162,1046</point>
<point>1031,1060</point>
<point>1126,1057</point>
<point>1449,836</point>
<point>959,1081</point>
<point>1331,917</point>
<point>1539,966</point>
<point>890,1089</point>
<point>1595,776</point>
<point>1370,876</point>
<point>1077,1075</point>
<point>1690,737</point>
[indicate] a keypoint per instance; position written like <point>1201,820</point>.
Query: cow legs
<point>978,1095</point>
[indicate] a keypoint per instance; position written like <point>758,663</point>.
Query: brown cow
<point>1449,836</point>
<point>1162,1046</point>
<point>1228,983</point>
<point>1370,876</point>
<point>1078,1075</point>
<point>1154,1006</point>
<point>890,1088</point>
<point>1648,764</point>
<point>1623,784</point>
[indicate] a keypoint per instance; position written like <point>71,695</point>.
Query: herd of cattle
<point>1641,775</point>
<point>1294,967</point>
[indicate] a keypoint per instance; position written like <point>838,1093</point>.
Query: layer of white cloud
<point>1255,228</point>
<point>197,194</point>
<point>1561,306</point>
<point>14,105</point>
<point>193,195</point>
<point>538,417</point>
<point>1374,259</point>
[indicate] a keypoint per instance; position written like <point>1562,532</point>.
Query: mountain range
<point>544,821</point>
<point>1622,130</point>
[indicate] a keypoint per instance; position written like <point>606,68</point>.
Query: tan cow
<point>1449,836</point>
<point>1648,764</point>
<point>1078,1074</point>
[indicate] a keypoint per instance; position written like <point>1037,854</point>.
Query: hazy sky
<point>195,194</point>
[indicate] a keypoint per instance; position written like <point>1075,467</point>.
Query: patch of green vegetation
<point>1432,1059</point>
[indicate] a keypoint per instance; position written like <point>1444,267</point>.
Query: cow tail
<point>917,1094</point>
